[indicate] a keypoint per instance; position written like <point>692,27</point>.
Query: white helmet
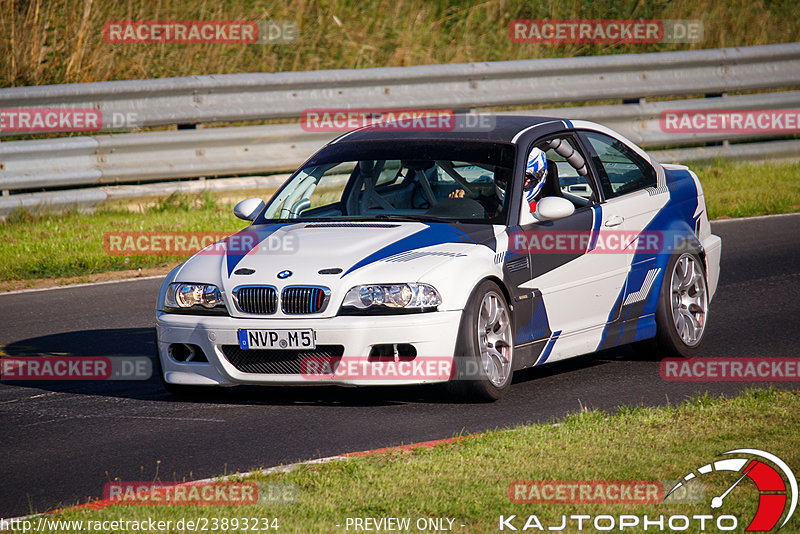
<point>535,174</point>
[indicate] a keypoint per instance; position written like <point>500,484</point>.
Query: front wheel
<point>485,348</point>
<point>682,311</point>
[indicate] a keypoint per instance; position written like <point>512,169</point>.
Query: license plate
<point>277,339</point>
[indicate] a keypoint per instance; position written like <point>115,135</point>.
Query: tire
<point>682,313</point>
<point>484,351</point>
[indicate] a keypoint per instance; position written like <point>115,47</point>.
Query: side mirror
<point>248,209</point>
<point>552,208</point>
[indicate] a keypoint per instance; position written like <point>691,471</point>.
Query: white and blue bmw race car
<point>497,250</point>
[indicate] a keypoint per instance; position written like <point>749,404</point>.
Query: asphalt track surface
<point>61,442</point>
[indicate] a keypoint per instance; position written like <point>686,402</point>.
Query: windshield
<point>438,181</point>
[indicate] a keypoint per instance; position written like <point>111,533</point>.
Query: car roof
<point>502,128</point>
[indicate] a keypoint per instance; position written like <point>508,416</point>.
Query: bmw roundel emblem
<point>284,274</point>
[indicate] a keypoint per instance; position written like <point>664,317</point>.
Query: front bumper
<point>433,335</point>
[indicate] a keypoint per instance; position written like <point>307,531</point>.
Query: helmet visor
<point>533,178</point>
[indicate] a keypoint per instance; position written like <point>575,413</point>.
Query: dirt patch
<point>37,283</point>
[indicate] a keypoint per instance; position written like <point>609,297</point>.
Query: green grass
<point>71,244</point>
<point>60,41</point>
<point>743,190</point>
<point>469,480</point>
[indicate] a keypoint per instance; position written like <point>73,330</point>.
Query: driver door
<point>578,283</point>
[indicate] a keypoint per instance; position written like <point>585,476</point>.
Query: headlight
<point>391,298</point>
<point>194,298</point>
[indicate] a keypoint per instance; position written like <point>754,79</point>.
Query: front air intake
<point>280,361</point>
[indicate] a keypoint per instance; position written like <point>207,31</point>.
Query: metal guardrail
<point>774,150</point>
<point>640,122</point>
<point>241,97</point>
<point>151,156</point>
<point>118,158</point>
<point>96,195</point>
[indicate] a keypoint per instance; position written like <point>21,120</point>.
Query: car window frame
<point>591,175</point>
<point>601,173</point>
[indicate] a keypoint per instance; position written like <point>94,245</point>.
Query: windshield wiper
<point>356,218</point>
<point>410,217</point>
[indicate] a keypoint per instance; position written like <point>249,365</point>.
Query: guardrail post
<point>724,142</point>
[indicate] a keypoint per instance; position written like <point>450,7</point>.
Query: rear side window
<point>621,169</point>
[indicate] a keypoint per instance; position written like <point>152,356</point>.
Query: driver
<point>535,176</point>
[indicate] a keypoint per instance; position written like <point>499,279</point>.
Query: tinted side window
<point>621,169</point>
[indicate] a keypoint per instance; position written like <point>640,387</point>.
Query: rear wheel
<point>485,350</point>
<point>682,311</point>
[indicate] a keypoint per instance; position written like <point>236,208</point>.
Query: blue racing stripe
<point>548,349</point>
<point>233,258</point>
<point>431,234</point>
<point>597,214</point>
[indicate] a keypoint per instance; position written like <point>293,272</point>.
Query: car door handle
<point>614,220</point>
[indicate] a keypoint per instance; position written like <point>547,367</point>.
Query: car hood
<point>336,255</point>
